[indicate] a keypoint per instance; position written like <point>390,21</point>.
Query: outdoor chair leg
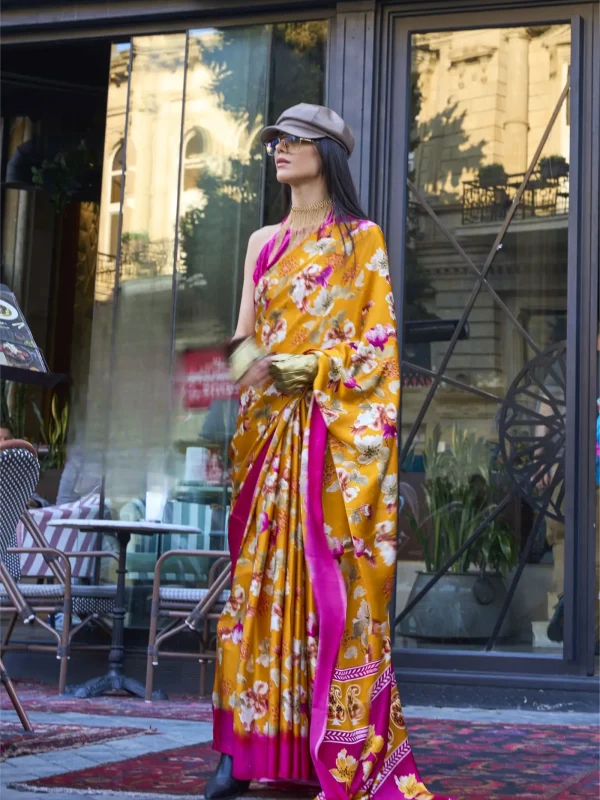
<point>9,629</point>
<point>202,676</point>
<point>14,698</point>
<point>62,675</point>
<point>149,678</point>
<point>62,651</point>
<point>151,658</point>
<point>203,664</point>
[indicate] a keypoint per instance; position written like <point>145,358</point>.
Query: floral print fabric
<point>304,688</point>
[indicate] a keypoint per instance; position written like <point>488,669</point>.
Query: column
<point>516,125</point>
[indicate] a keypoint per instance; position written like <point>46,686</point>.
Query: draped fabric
<point>304,687</point>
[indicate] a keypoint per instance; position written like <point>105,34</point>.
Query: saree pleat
<point>304,686</point>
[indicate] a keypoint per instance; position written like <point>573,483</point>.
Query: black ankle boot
<point>222,784</point>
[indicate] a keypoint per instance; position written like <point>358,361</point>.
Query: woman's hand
<point>256,374</point>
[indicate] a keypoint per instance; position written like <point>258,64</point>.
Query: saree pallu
<point>304,686</point>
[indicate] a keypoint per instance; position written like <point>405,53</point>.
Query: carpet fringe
<point>133,733</point>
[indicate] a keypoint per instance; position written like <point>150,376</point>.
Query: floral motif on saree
<point>304,688</point>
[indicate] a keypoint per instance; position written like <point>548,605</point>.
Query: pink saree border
<point>240,513</point>
<point>260,757</point>
<point>330,597</point>
<point>266,259</point>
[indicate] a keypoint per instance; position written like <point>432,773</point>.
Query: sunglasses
<point>289,143</point>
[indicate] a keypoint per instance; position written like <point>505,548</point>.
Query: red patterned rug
<point>40,697</point>
<point>475,761</point>
<point>45,738</point>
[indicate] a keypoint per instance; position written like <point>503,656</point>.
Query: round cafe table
<point>115,678</point>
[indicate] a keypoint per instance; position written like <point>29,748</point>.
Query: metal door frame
<point>389,202</point>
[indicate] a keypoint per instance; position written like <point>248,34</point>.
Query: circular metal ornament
<point>532,431</point>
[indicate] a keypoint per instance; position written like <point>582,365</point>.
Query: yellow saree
<point>304,687</point>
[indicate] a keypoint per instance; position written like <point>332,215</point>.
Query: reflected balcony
<point>545,196</point>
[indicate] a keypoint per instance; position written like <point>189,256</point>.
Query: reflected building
<point>482,101</point>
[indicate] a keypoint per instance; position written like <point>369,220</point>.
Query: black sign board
<point>20,358</point>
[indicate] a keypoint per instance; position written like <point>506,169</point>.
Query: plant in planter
<point>459,492</point>
<point>491,176</point>
<point>55,438</point>
<point>552,167</point>
<point>15,402</point>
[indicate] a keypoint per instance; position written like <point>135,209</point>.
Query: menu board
<point>17,346</point>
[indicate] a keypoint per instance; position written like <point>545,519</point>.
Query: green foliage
<point>459,493</point>
<point>210,237</point>
<point>13,407</point>
<point>417,285</point>
<point>297,76</point>
<point>492,175</point>
<point>58,428</point>
<point>15,401</point>
<point>553,167</point>
<point>66,174</point>
<point>54,436</point>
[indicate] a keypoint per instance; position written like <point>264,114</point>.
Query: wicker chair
<point>19,474</point>
<point>187,609</point>
<point>31,602</point>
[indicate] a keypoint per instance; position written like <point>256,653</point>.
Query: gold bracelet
<point>293,373</point>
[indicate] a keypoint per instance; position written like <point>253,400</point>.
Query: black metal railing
<point>544,196</point>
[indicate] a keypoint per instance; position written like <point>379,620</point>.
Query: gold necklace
<point>302,222</point>
<point>315,206</point>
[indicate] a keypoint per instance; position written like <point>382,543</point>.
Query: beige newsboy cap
<point>311,122</point>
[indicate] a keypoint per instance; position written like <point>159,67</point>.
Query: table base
<point>112,683</point>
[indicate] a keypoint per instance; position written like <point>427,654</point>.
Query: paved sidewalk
<point>178,733</point>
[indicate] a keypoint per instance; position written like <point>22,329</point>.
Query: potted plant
<point>492,175</point>
<point>53,451</point>
<point>50,440</point>
<point>459,494</point>
<point>552,167</point>
<point>56,437</point>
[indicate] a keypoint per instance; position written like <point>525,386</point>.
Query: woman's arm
<point>246,318</point>
<point>258,371</point>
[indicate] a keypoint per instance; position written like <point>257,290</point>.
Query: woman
<point>304,687</point>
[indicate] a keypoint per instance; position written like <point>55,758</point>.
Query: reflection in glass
<point>481,103</point>
<point>88,462</point>
<point>450,489</point>
<point>235,76</point>
<point>141,340</point>
<point>298,56</point>
<point>183,189</point>
<point>225,101</point>
<point>116,175</point>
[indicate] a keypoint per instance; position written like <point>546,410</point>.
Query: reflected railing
<point>154,260</point>
<point>544,196</point>
<point>105,276</point>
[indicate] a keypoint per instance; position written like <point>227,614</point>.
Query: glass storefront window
<point>185,184</point>
<point>484,361</point>
<point>597,553</point>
